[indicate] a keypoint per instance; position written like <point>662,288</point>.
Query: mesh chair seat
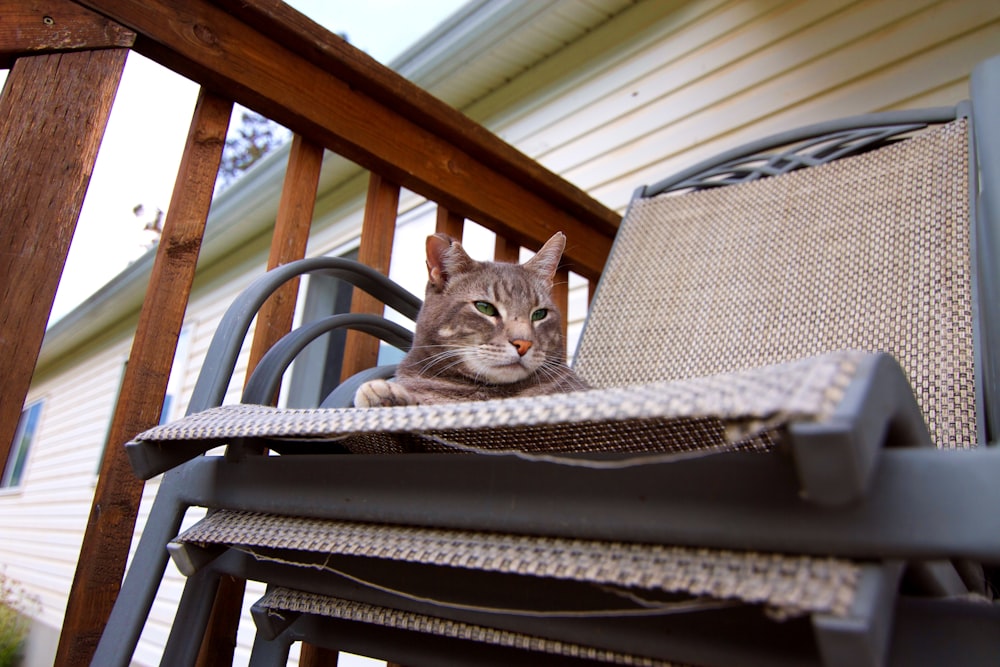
<point>788,585</point>
<point>282,601</point>
<point>725,412</point>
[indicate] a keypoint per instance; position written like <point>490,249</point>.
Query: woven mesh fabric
<point>793,584</point>
<point>283,599</point>
<point>869,252</point>
<point>734,411</point>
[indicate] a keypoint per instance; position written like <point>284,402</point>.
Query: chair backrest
<point>867,252</point>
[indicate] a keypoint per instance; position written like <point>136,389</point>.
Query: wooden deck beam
<point>34,27</point>
<point>314,83</point>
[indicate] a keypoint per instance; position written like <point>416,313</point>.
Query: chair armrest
<point>220,361</point>
<point>264,381</point>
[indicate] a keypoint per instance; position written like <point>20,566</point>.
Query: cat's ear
<point>445,257</point>
<point>546,261</point>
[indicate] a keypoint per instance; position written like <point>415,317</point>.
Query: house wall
<point>41,523</point>
<point>710,75</point>
<point>661,86</point>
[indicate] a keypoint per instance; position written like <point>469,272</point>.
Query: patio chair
<point>786,460</point>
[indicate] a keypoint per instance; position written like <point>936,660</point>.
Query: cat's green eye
<point>486,308</point>
<point>539,314</point>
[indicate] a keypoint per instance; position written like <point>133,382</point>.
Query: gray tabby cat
<point>486,330</point>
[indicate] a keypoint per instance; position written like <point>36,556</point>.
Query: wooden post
<point>106,542</point>
<point>505,250</point>
<point>274,320</point>
<point>315,656</point>
<point>291,235</point>
<point>449,223</point>
<point>53,112</point>
<point>377,232</point>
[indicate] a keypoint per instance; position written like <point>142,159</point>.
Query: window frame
<point>14,468</point>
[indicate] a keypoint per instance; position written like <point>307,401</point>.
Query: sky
<point>142,145</point>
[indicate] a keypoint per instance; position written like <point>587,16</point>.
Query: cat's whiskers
<point>549,371</point>
<point>451,357</point>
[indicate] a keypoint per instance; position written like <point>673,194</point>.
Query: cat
<point>486,330</point>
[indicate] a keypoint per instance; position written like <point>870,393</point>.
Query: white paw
<point>382,394</point>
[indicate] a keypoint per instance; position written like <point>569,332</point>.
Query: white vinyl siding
<point>42,522</point>
<point>717,74</point>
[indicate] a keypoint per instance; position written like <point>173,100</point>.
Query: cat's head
<point>489,322</point>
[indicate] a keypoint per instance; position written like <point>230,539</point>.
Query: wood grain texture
<point>377,233</point>
<point>55,106</point>
<point>288,74</point>
<point>450,223</point>
<point>45,26</point>
<point>218,644</point>
<point>315,656</point>
<point>506,251</point>
<point>116,500</point>
<point>291,235</point>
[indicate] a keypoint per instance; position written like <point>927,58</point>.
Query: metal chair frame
<point>742,501</point>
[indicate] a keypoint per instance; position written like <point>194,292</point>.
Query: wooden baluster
<point>53,112</point>
<point>116,500</point>
<point>315,656</point>
<point>274,320</point>
<point>505,250</point>
<point>377,233</point>
<point>449,223</point>
<point>291,235</point>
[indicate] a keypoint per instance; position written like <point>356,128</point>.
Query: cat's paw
<point>382,394</point>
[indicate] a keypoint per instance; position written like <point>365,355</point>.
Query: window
<point>13,471</point>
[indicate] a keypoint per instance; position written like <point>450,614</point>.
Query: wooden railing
<point>66,59</point>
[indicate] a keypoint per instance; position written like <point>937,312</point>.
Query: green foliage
<point>253,139</point>
<point>13,622</point>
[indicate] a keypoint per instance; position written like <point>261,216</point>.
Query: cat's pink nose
<point>522,346</point>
